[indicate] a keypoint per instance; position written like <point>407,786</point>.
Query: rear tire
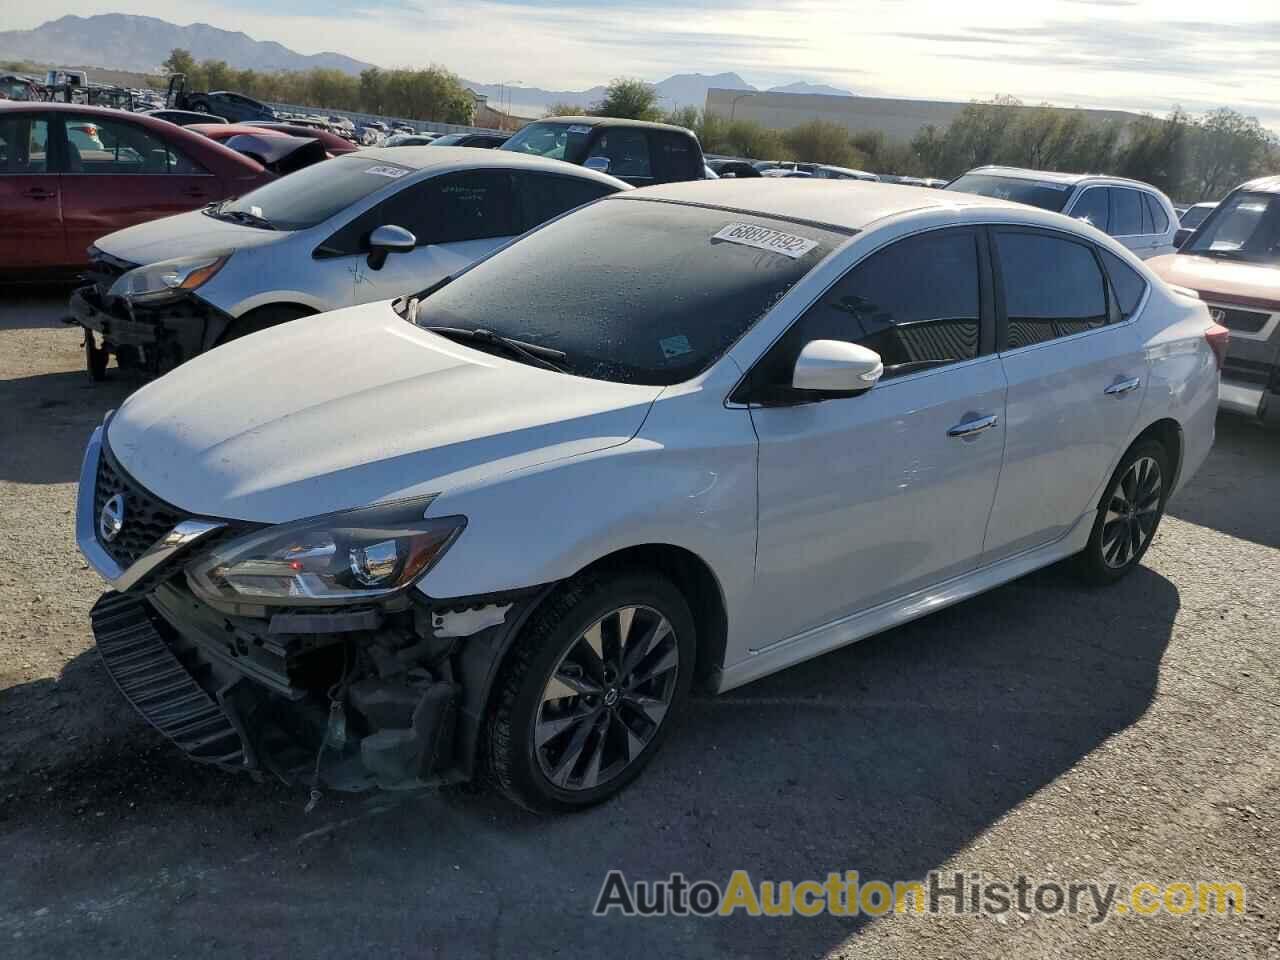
<point>590,690</point>
<point>1128,515</point>
<point>262,319</point>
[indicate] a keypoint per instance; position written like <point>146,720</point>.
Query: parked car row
<point>498,526</point>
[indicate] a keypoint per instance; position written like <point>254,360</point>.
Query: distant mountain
<point>126,42</point>
<point>690,89</point>
<point>122,41</point>
<point>803,87</point>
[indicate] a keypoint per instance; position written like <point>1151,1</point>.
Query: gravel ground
<point>1042,729</point>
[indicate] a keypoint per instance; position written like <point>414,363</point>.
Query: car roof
<point>616,122</point>
<point>1054,176</point>
<point>442,159</point>
<point>839,204</point>
<point>1263,185</point>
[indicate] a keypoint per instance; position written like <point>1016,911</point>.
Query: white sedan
<point>704,430</point>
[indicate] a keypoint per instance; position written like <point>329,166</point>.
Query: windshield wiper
<point>534,353</point>
<point>238,216</point>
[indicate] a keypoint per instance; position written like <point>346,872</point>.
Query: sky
<point>1128,54</point>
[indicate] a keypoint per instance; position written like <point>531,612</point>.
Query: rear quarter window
<point>1128,285</point>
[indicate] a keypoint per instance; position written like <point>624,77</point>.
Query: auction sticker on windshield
<point>382,170</point>
<point>763,238</point>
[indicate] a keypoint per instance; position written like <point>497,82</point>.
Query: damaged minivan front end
<point>297,648</point>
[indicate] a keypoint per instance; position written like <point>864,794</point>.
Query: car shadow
<point>30,306</point>
<point>887,757</point>
<point>1228,492</point>
<point>46,420</point>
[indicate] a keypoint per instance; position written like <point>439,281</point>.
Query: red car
<point>333,144</point>
<point>70,174</point>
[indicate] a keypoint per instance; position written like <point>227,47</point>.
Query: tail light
<point>1218,337</point>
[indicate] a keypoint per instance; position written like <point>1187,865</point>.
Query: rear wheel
<point>262,319</point>
<point>1129,514</point>
<point>590,690</point>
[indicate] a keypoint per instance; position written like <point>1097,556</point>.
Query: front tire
<point>1128,515</point>
<point>590,690</point>
<point>262,319</point>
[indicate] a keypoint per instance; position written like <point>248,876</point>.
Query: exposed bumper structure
<point>153,339</point>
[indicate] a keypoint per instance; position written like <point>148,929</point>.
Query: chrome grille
<point>146,519</point>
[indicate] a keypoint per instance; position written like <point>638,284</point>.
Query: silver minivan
<point>369,225</point>
<point>1135,213</point>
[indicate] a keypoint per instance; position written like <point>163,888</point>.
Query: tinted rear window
<point>1037,193</point>
<point>632,291</point>
<point>314,194</point>
<point>1128,284</point>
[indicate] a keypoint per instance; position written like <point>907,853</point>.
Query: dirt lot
<point>1042,729</point>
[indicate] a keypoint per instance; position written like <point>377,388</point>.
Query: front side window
<point>1245,226</point>
<point>1044,194</point>
<point>559,141</point>
<point>1093,207</point>
<point>917,303</point>
<point>626,149</point>
<point>24,143</point>
<point>1126,212</point>
<point>107,146</point>
<point>1053,287</point>
<point>635,291</point>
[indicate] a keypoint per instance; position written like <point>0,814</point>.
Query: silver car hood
<point>184,235</point>
<point>351,408</point>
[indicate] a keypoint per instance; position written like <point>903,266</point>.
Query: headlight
<point>167,279</point>
<point>339,558</point>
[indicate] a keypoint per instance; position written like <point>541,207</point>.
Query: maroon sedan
<point>70,174</point>
<point>333,144</point>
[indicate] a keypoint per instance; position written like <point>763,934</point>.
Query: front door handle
<point>1121,387</point>
<point>971,427</point>
<point>40,193</point>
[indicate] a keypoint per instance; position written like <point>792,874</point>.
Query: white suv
<point>1135,213</point>
<point>705,430</point>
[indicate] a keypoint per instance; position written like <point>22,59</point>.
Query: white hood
<point>183,235</point>
<point>351,408</point>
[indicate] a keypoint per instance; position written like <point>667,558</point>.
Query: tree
<point>820,141</point>
<point>628,100</point>
<point>566,110</point>
<point>1229,148</point>
<point>1156,152</point>
<point>689,117</point>
<point>179,61</point>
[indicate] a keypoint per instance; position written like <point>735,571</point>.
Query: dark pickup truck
<point>639,152</point>
<point>232,107</point>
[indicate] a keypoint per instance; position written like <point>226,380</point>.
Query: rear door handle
<point>195,193</point>
<point>971,427</point>
<point>1121,387</point>
<point>40,193</point>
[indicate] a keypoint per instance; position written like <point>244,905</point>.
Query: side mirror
<point>386,240</point>
<point>1181,236</point>
<point>836,368</point>
<point>598,164</point>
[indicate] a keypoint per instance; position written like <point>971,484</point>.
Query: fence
<point>419,126</point>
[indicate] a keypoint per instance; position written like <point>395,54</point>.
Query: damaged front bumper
<point>152,338</point>
<point>387,694</point>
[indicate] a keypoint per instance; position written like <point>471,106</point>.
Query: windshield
<point>559,141</point>
<point>448,140</point>
<point>1194,216</point>
<point>1038,193</point>
<point>634,291</point>
<point>1246,226</point>
<point>313,194</point>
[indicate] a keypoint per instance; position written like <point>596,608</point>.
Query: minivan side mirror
<point>836,368</point>
<point>386,240</point>
<point>598,164</point>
